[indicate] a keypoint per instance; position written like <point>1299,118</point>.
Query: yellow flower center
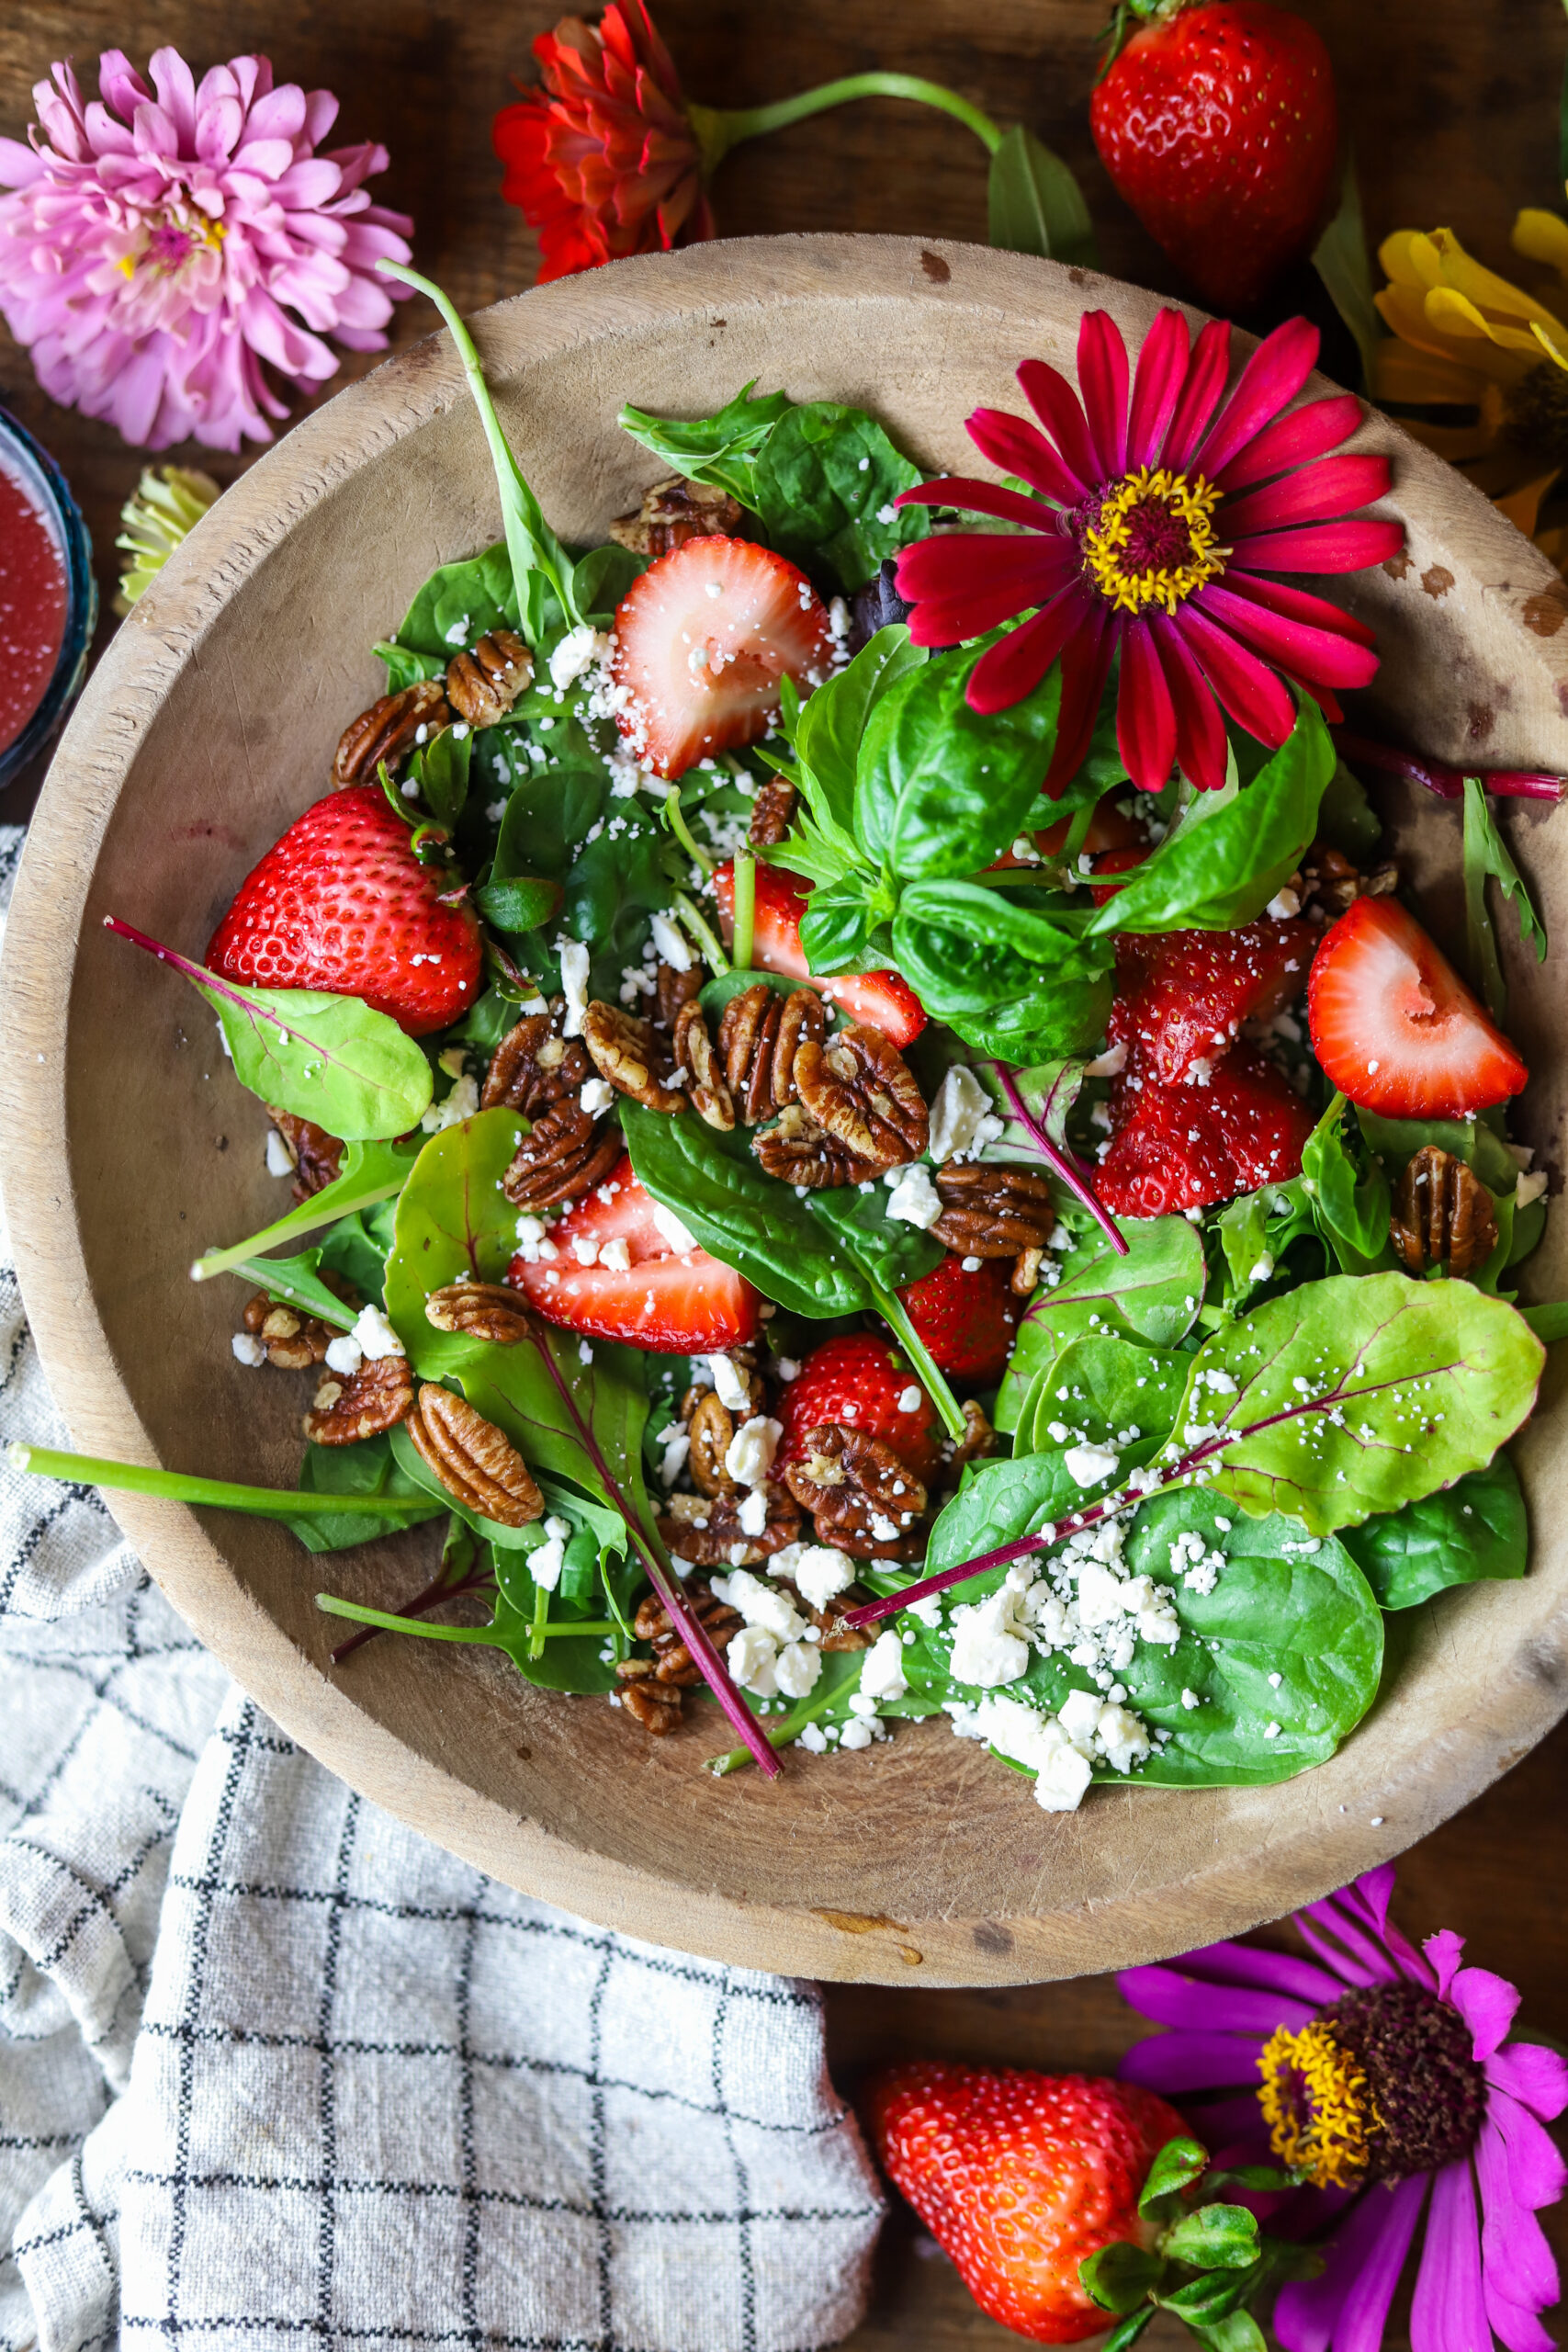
<point>1152,540</point>
<point>1318,2105</point>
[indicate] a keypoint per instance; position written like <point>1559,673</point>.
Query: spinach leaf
<point>370,1172</point>
<point>297,1281</point>
<point>457,606</point>
<point>406,668</point>
<point>941,790</point>
<point>523,903</point>
<point>1036,205</point>
<point>550,811</point>
<point>1105,1391</point>
<point>721,449</point>
<point>1220,866</point>
<point>440,768</point>
<point>368,1468</point>
<point>1063,1014</point>
<point>614,885</point>
<point>1348,1194</point>
<point>891,1252</point>
<point>1486,854</point>
<point>1153,1294</point>
<point>824,481</point>
<point>1466,1534</point>
<point>1395,1141</point>
<point>603,577</point>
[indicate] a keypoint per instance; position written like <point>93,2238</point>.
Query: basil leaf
<point>440,768</point>
<point>1486,854</point>
<point>827,733</point>
<point>824,481</point>
<point>1219,867</point>
<point>456,607</point>
<point>721,449</point>
<point>837,927</point>
<point>1036,205</point>
<point>368,1468</point>
<point>941,790</point>
<point>1341,260</point>
<point>1007,972</point>
<point>324,1057</point>
<point>1349,1199</point>
<point>1467,1533</point>
<point>1063,1016</point>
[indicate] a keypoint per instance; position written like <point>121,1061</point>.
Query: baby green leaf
<point>1105,1389</point>
<point>1467,1533</point>
<point>369,1468</point>
<point>1118,2277</point>
<point>440,768</point>
<point>1347,1194</point>
<point>1152,1293</point>
<point>297,1281</point>
<point>1216,2237</point>
<point>721,449</point>
<point>371,1172</point>
<point>824,483</point>
<point>1486,854</point>
<point>324,1057</point>
<point>1179,2164</point>
<point>941,790</point>
<point>523,903</point>
<point>457,606</point>
<point>1036,206</point>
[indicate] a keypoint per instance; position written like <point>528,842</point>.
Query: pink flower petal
<point>1320,654</point>
<point>1537,2172</point>
<point>1488,2004</point>
<point>1321,548</point>
<point>1233,1963</point>
<point>1357,1915</point>
<point>1448,2312</point>
<point>1171,1998</point>
<point>1307,432</point>
<point>1086,665</point>
<point>973,497</point>
<point>1056,405</point>
<point>1203,383</point>
<point>18,164</point>
<point>1015,665</point>
<point>1162,367</point>
<point>1300,604</point>
<point>978,565</point>
<point>120,87</point>
<point>1174,2063</point>
<point>176,85</point>
<point>1021,448</point>
<point>1348,2305</point>
<point>1332,487</point>
<point>1201,754</point>
<point>1269,383</point>
<point>1247,687</point>
<point>1145,737</point>
<point>1103,380</point>
<point>1514,2252</point>
<point>1535,2076</point>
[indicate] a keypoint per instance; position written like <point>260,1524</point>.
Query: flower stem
<point>720,130</point>
<point>219,1494</point>
<point>1503,784</point>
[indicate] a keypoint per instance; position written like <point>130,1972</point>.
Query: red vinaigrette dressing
<point>32,604</point>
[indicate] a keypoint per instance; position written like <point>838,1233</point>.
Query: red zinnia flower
<point>604,159</point>
<point>1153,518</point>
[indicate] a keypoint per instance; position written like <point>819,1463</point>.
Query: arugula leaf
<point>941,790</point>
<point>1036,205</point>
<point>370,1172</point>
<point>1486,852</point>
<point>1348,1195</point>
<point>721,449</point>
<point>368,1468</point>
<point>1228,855</point>
<point>457,606</point>
<point>824,482</point>
<point>1467,1533</point>
<point>1153,1294</point>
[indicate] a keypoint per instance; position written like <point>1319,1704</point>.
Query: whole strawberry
<point>968,1315</point>
<point>1216,121</point>
<point>341,903</point>
<point>864,1383</point>
<point>1020,2177</point>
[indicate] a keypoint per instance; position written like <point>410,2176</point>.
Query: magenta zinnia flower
<point>1385,2078</point>
<point>1154,523</point>
<point>161,244</point>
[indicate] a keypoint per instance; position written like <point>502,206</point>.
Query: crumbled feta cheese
<point>1088,1466</point>
<point>248,1350</point>
<point>574,981</point>
<point>798,1668</point>
<point>881,1669</point>
<point>749,1455</point>
<point>1283,905</point>
<point>596,1096</point>
<point>546,1560</point>
<point>819,1572</point>
<point>531,1239</point>
<point>1264,1268</point>
<point>376,1335</point>
<point>279,1159</point>
<point>1110,1063</point>
<point>963,1121</point>
<point>615,1254</point>
<point>345,1356</point>
<point>674,1232</point>
<point>752,1515</point>
<point>813,1739</point>
<point>1038,1742</point>
<point>752,1659</point>
<point>989,1645</point>
<point>856,1735</point>
<point>577,651</point>
<point>671,943</point>
<point>730,1383</point>
<point>1530,1188</point>
<point>909,1398</point>
<point>676,1449</point>
<point>460,1104</point>
<point>1190,1700</point>
<point>914,1199</point>
<point>760,1603</point>
<point>585,1249</point>
<point>1079,1715</point>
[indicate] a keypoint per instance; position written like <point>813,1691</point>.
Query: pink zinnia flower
<point>1386,2078</point>
<point>155,246</point>
<point>1154,519</point>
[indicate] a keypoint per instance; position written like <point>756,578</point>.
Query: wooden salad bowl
<point>126,1146</point>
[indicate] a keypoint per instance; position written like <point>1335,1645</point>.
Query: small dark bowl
<point>49,487</point>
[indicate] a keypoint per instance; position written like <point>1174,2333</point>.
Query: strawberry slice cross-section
<point>617,1266</point>
<point>1394,1026</point>
<point>884,999</point>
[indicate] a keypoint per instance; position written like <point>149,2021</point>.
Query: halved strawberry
<point>1394,1026</point>
<point>1109,828</point>
<point>701,641</point>
<point>650,1291</point>
<point>884,999</point>
<point>1187,1147</point>
<point>866,1382</point>
<point>966,1315</point>
<point>1181,996</point>
<point>341,903</point>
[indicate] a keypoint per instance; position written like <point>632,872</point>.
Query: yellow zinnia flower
<point>1464,337</point>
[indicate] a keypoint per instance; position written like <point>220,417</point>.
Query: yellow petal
<point>1522,506</point>
<point>1543,236</point>
<point>1554,343</point>
<point>1502,353</point>
<point>1420,377</point>
<point>1486,289</point>
<point>1405,310</point>
<point>1410,258</point>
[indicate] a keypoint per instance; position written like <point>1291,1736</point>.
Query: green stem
<point>217,1494</point>
<point>308,1217</point>
<point>745,909</point>
<point>330,1606</point>
<point>893,1311</point>
<point>713,954</point>
<point>675,817</point>
<point>540,1625</point>
<point>720,130</point>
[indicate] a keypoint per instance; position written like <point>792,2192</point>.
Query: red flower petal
<point>1297,605</point>
<point>1018,448</point>
<point>1332,487</point>
<point>1086,665</point>
<point>1291,440</point>
<point>1015,666</point>
<point>1270,382</point>
<point>1252,693</point>
<point>1145,714</point>
<point>1102,377</point>
<point>1205,381</point>
<point>1056,405</point>
<point>1162,369</point>
<point>1322,548</point>
<point>963,586</point>
<point>1319,655</point>
<point>973,497</point>
<point>1200,729</point>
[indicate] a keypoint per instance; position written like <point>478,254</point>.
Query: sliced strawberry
<point>1394,1026</point>
<point>700,643</point>
<point>866,1382</point>
<point>341,903</point>
<point>1114,860</point>
<point>1186,1147</point>
<point>885,999</point>
<point>1181,996</point>
<point>967,1317</point>
<point>671,1300</point>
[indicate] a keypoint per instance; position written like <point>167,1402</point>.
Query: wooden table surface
<point>1452,112</point>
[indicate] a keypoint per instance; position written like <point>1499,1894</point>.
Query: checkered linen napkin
<point>276,2073</point>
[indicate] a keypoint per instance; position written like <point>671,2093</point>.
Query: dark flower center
<point>1379,2087</point>
<point>1535,413</point>
<point>1149,538</point>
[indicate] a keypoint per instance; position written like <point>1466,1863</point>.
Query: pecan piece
<point>1329,881</point>
<point>772,812</point>
<point>481,1311</point>
<point>711,1429</point>
<point>632,1055</point>
<point>675,511</point>
<point>829,1624</point>
<point>1025,1274</point>
<point>563,1155</point>
<point>1441,1212</point>
<point>992,1212</point>
<point>481,687</point>
<point>534,1066</point>
<point>863,1498</point>
<point>672,1661</point>
<point>708,1530</point>
<point>656,1705</point>
<point>317,1156</point>
<point>293,1341</point>
<point>859,1088</point>
<point>710,1097</point>
<point>800,1151</point>
<point>474,1460</point>
<point>376,1397</point>
<point>389,730</point>
<point>980,1439</point>
<point>672,989</point>
<point>760,1033</point>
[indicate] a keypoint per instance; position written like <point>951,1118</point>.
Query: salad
<point>872,1135</point>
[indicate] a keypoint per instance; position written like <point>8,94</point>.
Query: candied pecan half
<point>772,812</point>
<point>481,687</point>
<point>632,1055</point>
<point>992,1212</point>
<point>1025,1276</point>
<point>481,1311</point>
<point>293,1341</point>
<point>711,1429</point>
<point>672,1661</point>
<point>317,1156</point>
<point>534,1066</point>
<point>564,1154</point>
<point>378,1396</point>
<point>675,511</point>
<point>710,1097</point>
<point>759,1032</point>
<point>672,989</point>
<point>829,1624</point>
<point>474,1460</point>
<point>978,1441</point>
<point>860,1089</point>
<point>707,1530</point>
<point>1441,1212</point>
<point>799,1151</point>
<point>863,1498</point>
<point>389,730</point>
<point>656,1705</point>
